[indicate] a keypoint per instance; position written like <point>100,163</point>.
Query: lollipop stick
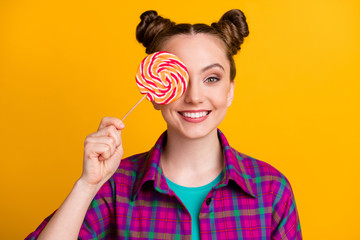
<point>133,108</point>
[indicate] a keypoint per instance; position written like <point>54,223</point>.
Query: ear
<point>156,106</point>
<point>230,96</point>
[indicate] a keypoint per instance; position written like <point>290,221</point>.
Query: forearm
<point>67,221</point>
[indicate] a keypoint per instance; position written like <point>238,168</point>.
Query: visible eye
<point>212,79</point>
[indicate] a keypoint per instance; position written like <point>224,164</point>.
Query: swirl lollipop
<point>162,77</point>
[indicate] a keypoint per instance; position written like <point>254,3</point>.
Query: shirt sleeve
<point>98,219</point>
<point>285,218</point>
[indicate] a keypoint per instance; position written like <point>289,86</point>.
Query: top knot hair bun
<point>233,28</point>
<point>150,27</point>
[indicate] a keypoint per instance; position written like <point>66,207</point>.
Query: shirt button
<point>208,201</point>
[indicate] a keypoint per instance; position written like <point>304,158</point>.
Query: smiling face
<point>203,106</point>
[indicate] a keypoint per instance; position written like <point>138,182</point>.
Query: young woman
<point>191,184</point>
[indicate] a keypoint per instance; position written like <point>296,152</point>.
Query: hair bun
<point>150,26</point>
<point>234,28</point>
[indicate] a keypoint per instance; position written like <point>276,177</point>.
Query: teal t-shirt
<point>193,198</point>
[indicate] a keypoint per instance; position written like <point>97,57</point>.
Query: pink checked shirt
<point>252,201</point>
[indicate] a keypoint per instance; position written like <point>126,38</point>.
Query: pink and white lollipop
<point>162,77</point>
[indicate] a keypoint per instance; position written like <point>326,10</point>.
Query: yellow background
<point>66,64</point>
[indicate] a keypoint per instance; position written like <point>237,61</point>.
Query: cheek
<point>222,97</point>
<point>168,110</point>
<point>166,116</point>
<point>219,102</point>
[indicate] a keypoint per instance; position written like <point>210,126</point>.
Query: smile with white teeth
<point>194,115</point>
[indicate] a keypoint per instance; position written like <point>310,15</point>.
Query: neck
<point>192,162</point>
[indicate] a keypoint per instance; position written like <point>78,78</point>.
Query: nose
<point>194,93</point>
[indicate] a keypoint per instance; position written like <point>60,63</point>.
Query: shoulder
<point>265,177</point>
<point>275,191</point>
<point>123,180</point>
<point>130,166</point>
<point>259,173</point>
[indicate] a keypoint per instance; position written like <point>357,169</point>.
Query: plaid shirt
<point>252,201</point>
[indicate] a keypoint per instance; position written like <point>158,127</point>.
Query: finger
<point>100,151</point>
<point>110,131</point>
<point>116,134</point>
<point>110,141</point>
<point>107,121</point>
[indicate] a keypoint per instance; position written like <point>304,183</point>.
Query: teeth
<point>194,115</point>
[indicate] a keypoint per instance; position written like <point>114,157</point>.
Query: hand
<point>103,151</point>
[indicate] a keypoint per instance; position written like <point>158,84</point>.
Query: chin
<point>197,132</point>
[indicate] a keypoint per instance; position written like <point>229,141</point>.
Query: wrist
<point>86,187</point>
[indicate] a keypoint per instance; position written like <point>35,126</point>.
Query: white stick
<point>133,107</point>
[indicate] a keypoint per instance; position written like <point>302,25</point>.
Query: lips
<point>195,114</point>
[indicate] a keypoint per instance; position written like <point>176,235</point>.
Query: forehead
<point>197,50</point>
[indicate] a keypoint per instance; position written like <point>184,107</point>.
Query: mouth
<point>194,114</point>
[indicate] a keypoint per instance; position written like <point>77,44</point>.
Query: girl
<point>191,184</point>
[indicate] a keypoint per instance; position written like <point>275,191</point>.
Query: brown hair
<point>154,30</point>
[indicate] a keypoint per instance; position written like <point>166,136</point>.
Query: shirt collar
<point>151,170</point>
<point>234,170</point>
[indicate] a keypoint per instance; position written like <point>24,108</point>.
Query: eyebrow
<point>212,66</point>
